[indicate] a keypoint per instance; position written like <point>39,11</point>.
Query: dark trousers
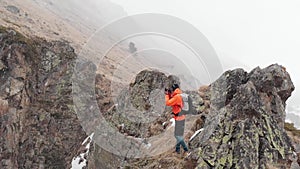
<point>179,131</point>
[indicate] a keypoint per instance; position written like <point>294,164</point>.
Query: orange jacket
<point>176,102</point>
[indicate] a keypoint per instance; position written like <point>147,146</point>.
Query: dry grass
<point>290,127</point>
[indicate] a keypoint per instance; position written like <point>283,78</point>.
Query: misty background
<point>244,34</point>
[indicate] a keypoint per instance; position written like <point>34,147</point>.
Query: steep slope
<point>75,21</point>
<point>38,126</point>
<point>33,20</point>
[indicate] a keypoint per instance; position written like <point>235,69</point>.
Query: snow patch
<point>79,162</point>
<point>147,145</point>
<point>172,120</point>
<point>196,133</point>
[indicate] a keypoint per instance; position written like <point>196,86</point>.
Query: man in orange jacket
<point>173,98</point>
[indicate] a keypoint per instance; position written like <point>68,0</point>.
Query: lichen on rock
<point>39,128</point>
<point>245,127</point>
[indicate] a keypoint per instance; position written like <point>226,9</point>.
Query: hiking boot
<point>177,154</point>
<point>186,154</point>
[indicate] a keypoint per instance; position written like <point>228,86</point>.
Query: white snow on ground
<point>196,133</point>
<point>147,145</point>
<point>164,123</point>
<point>172,120</point>
<point>75,161</point>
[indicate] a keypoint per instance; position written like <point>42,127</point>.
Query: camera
<point>168,91</point>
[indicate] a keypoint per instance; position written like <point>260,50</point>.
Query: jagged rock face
<point>146,82</point>
<point>145,100</point>
<point>141,99</point>
<point>38,126</point>
<point>136,104</point>
<point>245,126</point>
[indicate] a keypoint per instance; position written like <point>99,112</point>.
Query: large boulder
<point>245,127</point>
<point>138,109</point>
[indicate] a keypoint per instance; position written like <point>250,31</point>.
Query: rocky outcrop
<point>141,105</point>
<point>245,126</point>
<point>13,9</point>
<point>38,126</point>
<point>242,114</point>
<point>138,112</point>
<point>139,109</point>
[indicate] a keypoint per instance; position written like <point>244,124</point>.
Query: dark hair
<point>175,86</point>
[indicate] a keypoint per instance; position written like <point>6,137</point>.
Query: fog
<point>243,34</point>
<point>86,16</point>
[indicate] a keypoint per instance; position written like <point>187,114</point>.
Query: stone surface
<point>13,9</point>
<point>245,126</point>
<point>38,126</point>
<point>3,106</point>
<point>2,66</point>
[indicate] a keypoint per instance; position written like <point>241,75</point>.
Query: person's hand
<point>167,91</point>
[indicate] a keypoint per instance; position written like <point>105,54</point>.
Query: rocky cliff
<point>245,127</point>
<point>38,126</point>
<point>241,114</point>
